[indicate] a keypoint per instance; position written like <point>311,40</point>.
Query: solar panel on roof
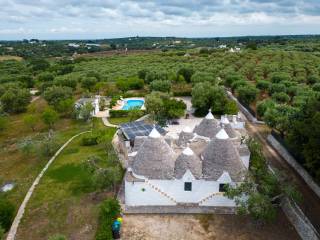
<point>140,128</point>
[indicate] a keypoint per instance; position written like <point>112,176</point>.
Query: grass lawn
<point>62,202</point>
<point>23,168</point>
<point>119,120</point>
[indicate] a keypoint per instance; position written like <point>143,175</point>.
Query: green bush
<point>89,140</point>
<point>263,106</point>
<point>237,84</point>
<point>161,86</point>
<point>277,87</point>
<point>125,84</point>
<point>109,211</point>
<point>231,108</point>
<point>316,87</point>
<point>247,94</point>
<point>7,211</point>
<point>263,85</point>
<point>231,78</point>
<point>279,77</point>
<point>281,97</point>
<point>122,113</point>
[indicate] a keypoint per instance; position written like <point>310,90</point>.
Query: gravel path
<point>17,219</point>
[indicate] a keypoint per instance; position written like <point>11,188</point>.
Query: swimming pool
<point>132,103</point>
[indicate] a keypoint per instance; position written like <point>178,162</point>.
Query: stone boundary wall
<point>294,164</point>
<point>245,111</point>
<point>120,149</point>
<point>178,210</point>
<point>300,222</point>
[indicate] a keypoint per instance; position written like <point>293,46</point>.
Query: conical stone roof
<point>184,136</point>
<point>208,127</point>
<point>221,155</point>
<point>155,158</point>
<point>188,161</point>
<point>230,131</point>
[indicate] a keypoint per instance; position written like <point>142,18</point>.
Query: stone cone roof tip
<point>188,151</point>
<point>222,134</point>
<point>154,133</point>
<point>209,115</point>
<point>224,120</point>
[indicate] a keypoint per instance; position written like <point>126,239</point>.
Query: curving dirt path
<point>17,219</point>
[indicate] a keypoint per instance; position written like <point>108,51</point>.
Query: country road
<point>310,204</point>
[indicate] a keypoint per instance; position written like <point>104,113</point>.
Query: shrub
<point>203,77</point>
<point>7,210</point>
<point>247,94</point>
<point>49,117</point>
<point>281,97</point>
<point>89,83</point>
<point>186,72</point>
<point>263,106</point>
<point>133,83</point>
<point>316,87</point>
<point>161,86</point>
<point>278,77</point>
<point>292,90</point>
<point>109,211</point>
<point>277,87</point>
<point>263,85</point>
<point>231,108</point>
<point>15,100</point>
<point>230,79</point>
<point>237,84</point>
<point>53,95</point>
<point>142,73</point>
<point>89,140</point>
<point>48,146</point>
<point>313,79</point>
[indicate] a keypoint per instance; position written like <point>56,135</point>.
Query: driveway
<point>203,227</point>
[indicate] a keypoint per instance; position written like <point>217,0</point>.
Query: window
<point>188,186</point>
<point>222,187</point>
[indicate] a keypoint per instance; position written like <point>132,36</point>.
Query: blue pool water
<point>134,103</point>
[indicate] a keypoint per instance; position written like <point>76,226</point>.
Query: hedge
<point>109,211</point>
<point>89,140</point>
<point>122,113</point>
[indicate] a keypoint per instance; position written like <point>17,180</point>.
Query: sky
<point>94,19</point>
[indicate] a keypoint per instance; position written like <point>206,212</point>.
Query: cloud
<point>156,17</point>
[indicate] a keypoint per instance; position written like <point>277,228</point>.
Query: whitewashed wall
<point>245,160</point>
<point>135,196</point>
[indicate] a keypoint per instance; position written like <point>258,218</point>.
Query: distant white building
<point>233,50</point>
<point>73,45</point>
<point>92,45</point>
<point>222,46</point>
<point>191,171</point>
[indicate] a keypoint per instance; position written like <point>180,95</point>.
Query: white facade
<point>172,192</point>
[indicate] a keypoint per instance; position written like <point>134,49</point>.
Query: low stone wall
<point>294,164</point>
<point>301,223</point>
<point>120,150</point>
<point>178,210</point>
